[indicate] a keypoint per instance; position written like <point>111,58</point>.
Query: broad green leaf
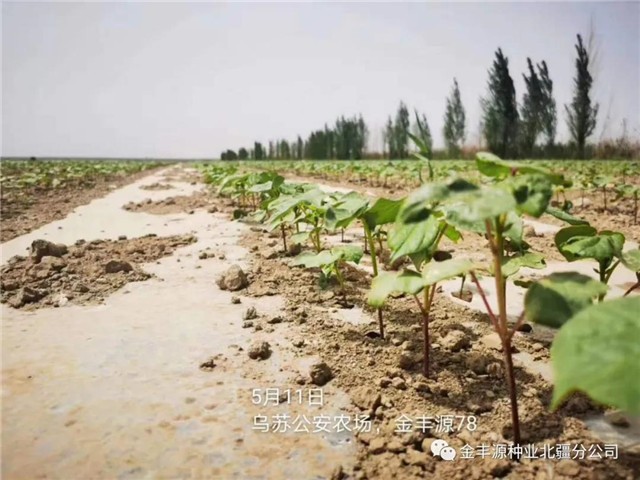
<point>603,246</point>
<point>532,193</point>
<point>452,233</point>
<point>553,300</point>
<point>631,260</point>
<point>268,185</point>
<point>419,205</point>
<point>566,233</point>
<point>565,217</point>
<point>492,166</point>
<point>348,253</point>
<point>345,210</point>
<point>598,352</point>
<point>382,212</point>
<point>300,237</point>
<point>314,260</point>
<point>511,265</point>
<point>514,230</point>
<point>387,283</point>
<point>407,238</point>
<point>472,208</point>
<point>434,272</point>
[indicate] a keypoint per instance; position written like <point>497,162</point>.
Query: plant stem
<point>497,249</point>
<point>632,288</point>
<point>374,262</point>
<point>284,237</point>
<point>462,286</point>
<point>340,279</point>
<point>492,316</point>
<point>609,272</point>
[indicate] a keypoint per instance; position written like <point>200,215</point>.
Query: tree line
<point>510,129</point>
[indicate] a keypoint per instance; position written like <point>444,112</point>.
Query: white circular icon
<point>448,453</point>
<point>438,445</point>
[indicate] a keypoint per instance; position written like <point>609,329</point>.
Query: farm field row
<point>38,191</point>
<point>407,234</point>
<point>309,314</point>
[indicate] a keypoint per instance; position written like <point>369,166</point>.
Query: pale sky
<point>191,79</point>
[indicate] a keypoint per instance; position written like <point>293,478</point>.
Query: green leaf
<point>492,166</point>
<point>300,237</point>
<point>470,209</point>
<point>421,145</point>
<point>553,300</point>
<point>631,260</point>
<point>419,205</point>
<point>434,272</point>
<point>532,193</point>
<point>511,265</point>
<point>565,234</point>
<point>387,283</point>
<point>314,260</point>
<point>514,230</point>
<point>383,211</point>
<point>603,246</point>
<point>345,210</point>
<point>348,253</point>
<point>407,238</point>
<point>565,217</point>
<point>452,233</point>
<point>598,352</point>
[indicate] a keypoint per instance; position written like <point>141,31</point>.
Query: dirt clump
<point>320,373</point>
<point>157,186</point>
<point>259,350</point>
<point>87,272</point>
<point>232,279</point>
<point>170,205</point>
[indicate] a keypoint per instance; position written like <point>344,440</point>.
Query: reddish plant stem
<point>492,317</point>
<point>497,249</point>
<point>631,289</point>
<point>429,294</point>
<point>517,325</point>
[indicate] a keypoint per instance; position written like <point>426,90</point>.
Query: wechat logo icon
<point>441,449</point>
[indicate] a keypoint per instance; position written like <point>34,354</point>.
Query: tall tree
<point>531,111</point>
<point>581,115</point>
<point>299,148</point>
<point>401,131</point>
<point>362,137</point>
<point>258,151</point>
<point>454,122</point>
<point>271,152</point>
<point>499,109</point>
<point>283,150</point>
<point>549,115</point>
<point>389,139</point>
<point>423,132</point>
<point>243,154</point>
